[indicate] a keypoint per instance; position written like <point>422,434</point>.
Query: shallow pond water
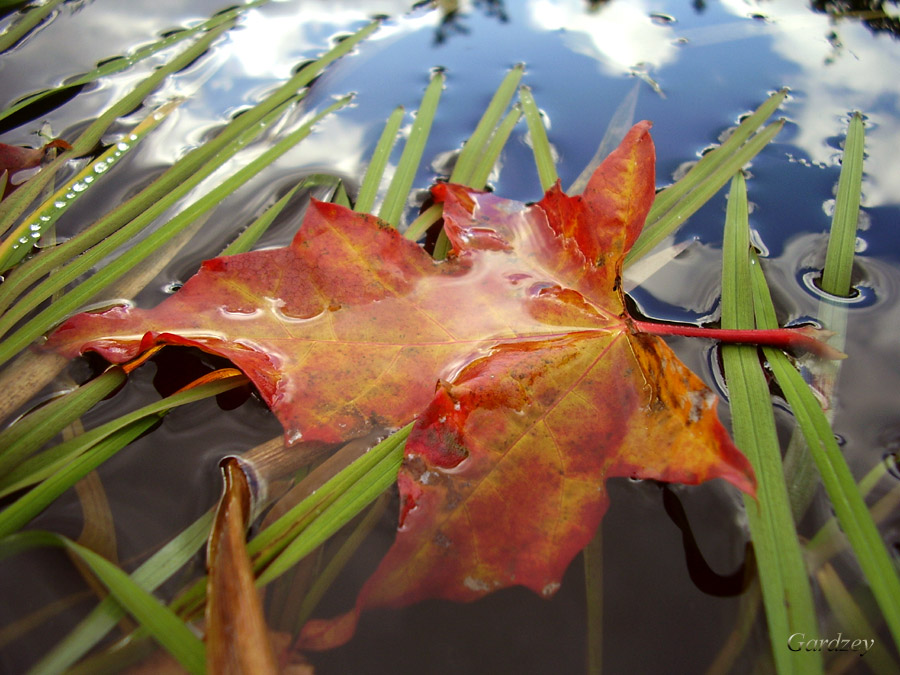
<point>695,69</point>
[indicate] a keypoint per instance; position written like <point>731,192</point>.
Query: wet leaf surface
<point>528,381</point>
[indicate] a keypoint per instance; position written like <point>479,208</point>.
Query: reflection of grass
<point>307,522</point>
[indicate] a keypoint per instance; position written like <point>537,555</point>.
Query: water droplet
<point>132,137</point>
<point>79,187</point>
<point>70,195</point>
<point>34,227</point>
<point>45,219</point>
<point>117,154</point>
<point>122,146</point>
<point>88,179</point>
<point>60,204</point>
<point>173,287</point>
<point>100,167</point>
<point>35,235</point>
<point>24,240</point>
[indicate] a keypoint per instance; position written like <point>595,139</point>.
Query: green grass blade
<point>848,503</point>
<point>75,298</point>
<point>28,434</point>
<point>30,272</point>
<point>485,165</point>
<point>158,619</point>
<point>665,223</point>
<point>543,154</point>
<point>395,200</point>
<point>20,512</point>
<point>27,234</point>
<point>248,238</point>
<point>24,25</point>
<point>365,200</point>
<point>785,586</point>
<point>336,515</point>
<point>14,206</point>
<point>712,162</point>
<point>363,475</point>
<point>474,148</point>
<point>842,242</point>
<point>56,460</point>
<point>160,567</point>
<point>121,63</point>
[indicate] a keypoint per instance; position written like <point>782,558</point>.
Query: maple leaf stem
<point>783,338</point>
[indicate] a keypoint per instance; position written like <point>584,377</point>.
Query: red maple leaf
<point>545,386</point>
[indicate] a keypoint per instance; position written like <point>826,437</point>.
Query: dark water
<point>710,63</point>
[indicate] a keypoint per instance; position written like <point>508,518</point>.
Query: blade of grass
<point>21,240</point>
<point>849,506</point>
<point>842,242</point>
<point>119,63</point>
<point>543,154</point>
<point>29,272</point>
<point>664,224</point>
<point>160,567</point>
<point>158,619</point>
<point>365,200</point>
<point>27,21</point>
<point>365,479</point>
<point>488,160</point>
<point>395,200</point>
<point>474,148</point>
<point>785,586</point>
<point>14,206</point>
<point>56,464</point>
<point>593,592</point>
<point>75,298</point>
<point>246,240</point>
<point>338,561</point>
<point>850,616</point>
<point>31,432</point>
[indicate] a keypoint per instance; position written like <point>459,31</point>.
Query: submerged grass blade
<point>543,153</point>
<point>848,503</point>
<point>29,19</point>
<point>27,435</point>
<point>785,586</point>
<point>395,200</point>
<point>160,567</point>
<point>317,517</point>
<point>57,462</point>
<point>842,241</point>
<point>365,200</point>
<point>158,619</point>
